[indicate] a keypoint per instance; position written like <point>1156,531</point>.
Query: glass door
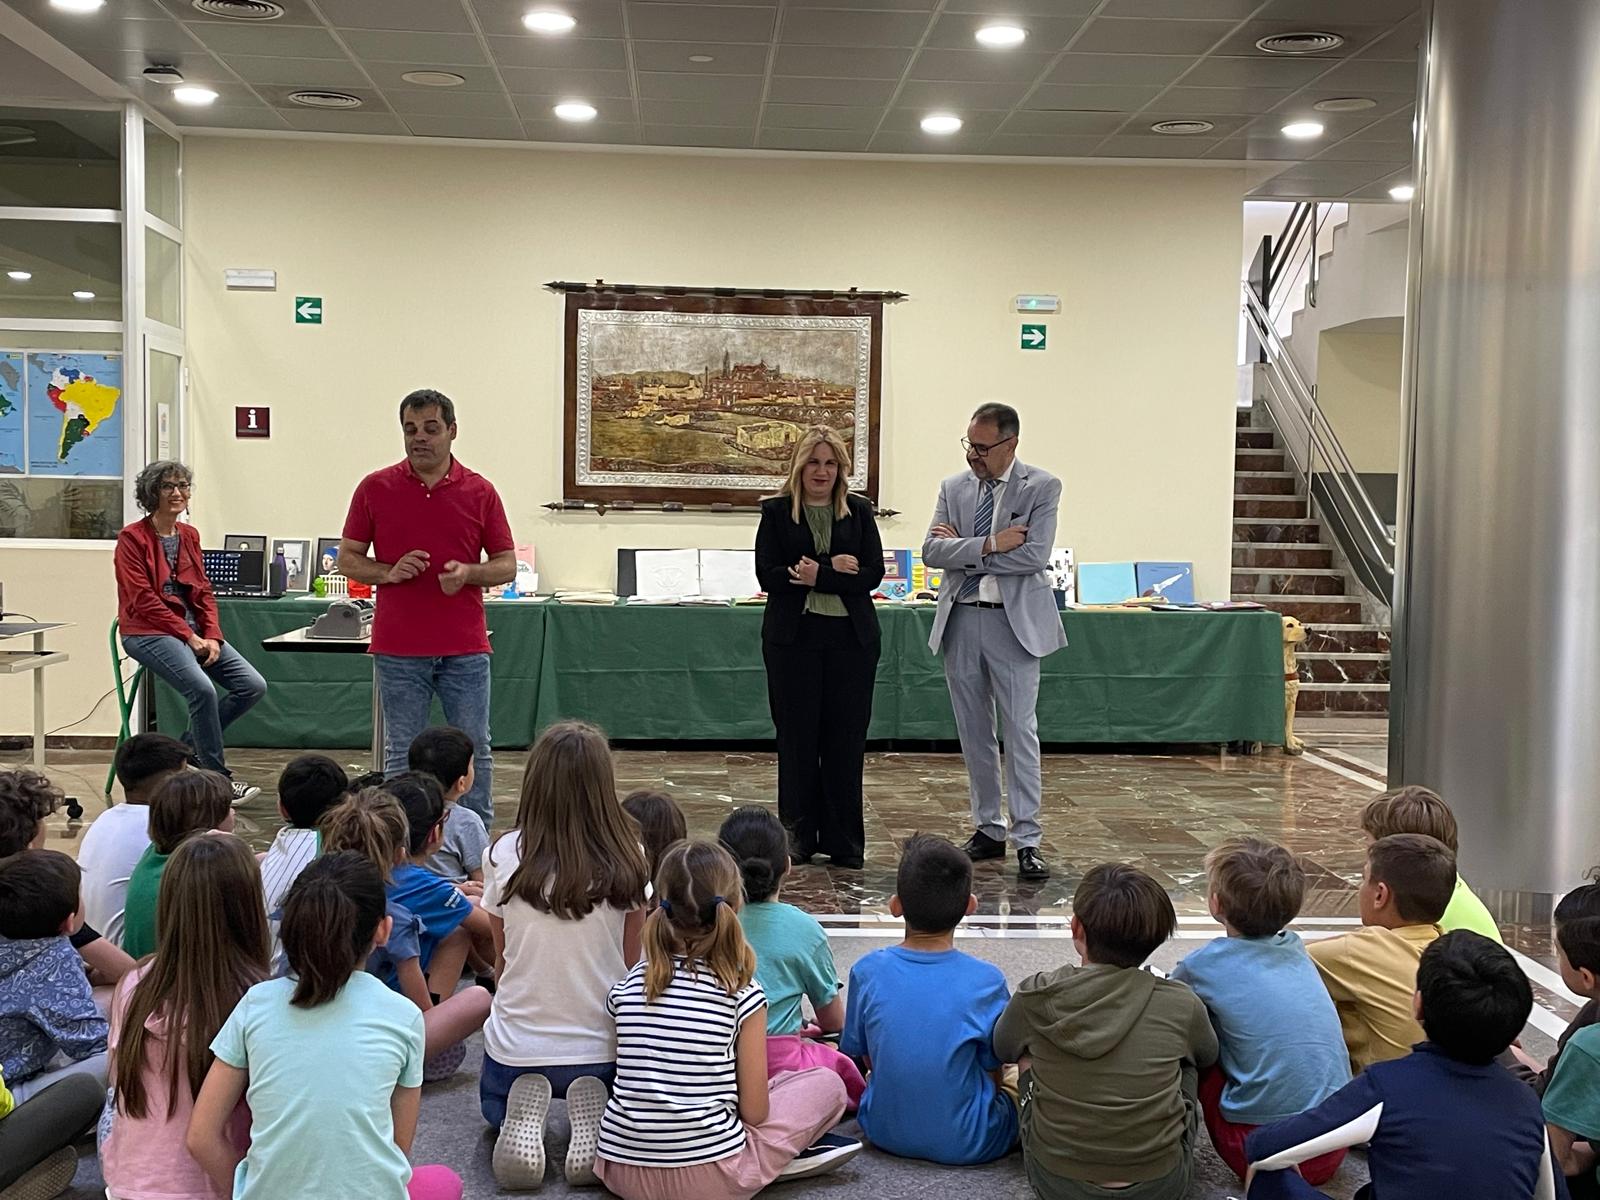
<point>165,398</point>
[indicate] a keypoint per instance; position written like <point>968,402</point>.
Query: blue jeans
<point>242,685</point>
<point>461,681</point>
<point>494,1086</point>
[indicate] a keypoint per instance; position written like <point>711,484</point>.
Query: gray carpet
<point>452,1131</point>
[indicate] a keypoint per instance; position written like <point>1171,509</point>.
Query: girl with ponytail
<point>793,959</point>
<point>329,1059</point>
<point>692,1056</point>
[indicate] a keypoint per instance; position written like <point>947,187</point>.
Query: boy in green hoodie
<point>1111,1054</point>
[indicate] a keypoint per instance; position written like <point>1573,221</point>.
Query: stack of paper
<point>674,576</point>
<point>582,597</point>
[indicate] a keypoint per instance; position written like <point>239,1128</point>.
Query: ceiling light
<point>191,94</point>
<point>1001,36</point>
<point>576,110</point>
<point>20,276</point>
<point>1302,130</point>
<point>941,123</point>
<point>702,58</point>
<point>82,295</point>
<point>1402,192</point>
<point>545,20</point>
<point>77,6</point>
<point>1345,104</point>
<point>434,78</point>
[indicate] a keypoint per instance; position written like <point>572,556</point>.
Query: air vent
<point>240,10</point>
<point>1300,43</point>
<point>1181,127</point>
<point>321,99</point>
<point>1345,104</point>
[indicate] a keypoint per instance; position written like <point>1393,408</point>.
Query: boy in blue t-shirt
<point>1281,1049</point>
<point>921,1016</point>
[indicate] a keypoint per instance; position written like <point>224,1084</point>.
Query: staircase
<point>1281,562</point>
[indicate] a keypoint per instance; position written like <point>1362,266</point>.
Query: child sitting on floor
<point>1280,1047</point>
<point>26,799</point>
<point>372,824</point>
<point>212,949</point>
<point>565,891</point>
<point>1444,1123</point>
<point>1419,810</point>
<point>793,959</point>
<point>1577,924</point>
<point>921,1016</point>
<point>308,787</point>
<point>692,1057</point>
<point>329,1060</point>
<point>49,1024</point>
<point>1110,1100</point>
<point>187,803</point>
<point>1372,973</point>
<point>38,1158</point>
<point>660,823</point>
<point>446,753</point>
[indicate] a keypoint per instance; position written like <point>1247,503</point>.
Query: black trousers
<point>820,690</point>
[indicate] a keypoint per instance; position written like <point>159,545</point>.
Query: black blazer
<point>781,542</point>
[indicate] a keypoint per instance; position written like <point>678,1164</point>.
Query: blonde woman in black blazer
<point>819,559</point>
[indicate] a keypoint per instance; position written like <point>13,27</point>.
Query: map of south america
<point>83,401</point>
<point>74,414</point>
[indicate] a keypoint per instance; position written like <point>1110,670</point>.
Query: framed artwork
<point>246,541</point>
<point>700,399</point>
<point>296,561</point>
<point>326,561</point>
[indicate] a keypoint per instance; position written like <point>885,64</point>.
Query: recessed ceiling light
<point>434,78</point>
<point>1345,104</point>
<point>702,58</point>
<point>77,6</point>
<point>1299,43</point>
<point>1001,36</point>
<point>576,110</point>
<point>548,20</point>
<point>191,94</point>
<point>1402,192</point>
<point>941,123</point>
<point>1180,128</point>
<point>82,295</point>
<point>20,276</point>
<point>1302,130</point>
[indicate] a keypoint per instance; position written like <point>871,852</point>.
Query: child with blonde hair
<point>564,890</point>
<point>692,1056</point>
<point>212,949</point>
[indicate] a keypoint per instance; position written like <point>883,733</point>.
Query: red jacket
<point>141,569</point>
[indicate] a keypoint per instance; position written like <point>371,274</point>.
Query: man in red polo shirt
<point>430,523</point>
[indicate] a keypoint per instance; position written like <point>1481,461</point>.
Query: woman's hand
<point>804,572</point>
<point>846,564</point>
<point>207,650</point>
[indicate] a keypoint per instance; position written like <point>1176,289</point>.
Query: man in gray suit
<point>992,532</point>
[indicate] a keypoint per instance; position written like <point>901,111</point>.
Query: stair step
<point>1277,531</point>
<point>1299,556</point>
<point>1341,639</point>
<point>1352,669</point>
<point>1241,418</point>
<point>1258,460</point>
<point>1314,581</point>
<point>1311,610</point>
<point>1265,483</point>
<point>1253,439</point>
<point>1268,506</point>
<point>1369,698</point>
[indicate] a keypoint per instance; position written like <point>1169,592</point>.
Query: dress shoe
<point>980,847</point>
<point>799,853</point>
<point>847,862</point>
<point>1031,864</point>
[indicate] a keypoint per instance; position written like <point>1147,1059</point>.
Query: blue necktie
<point>982,527</point>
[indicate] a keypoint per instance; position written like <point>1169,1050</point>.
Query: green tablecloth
<point>687,674</point>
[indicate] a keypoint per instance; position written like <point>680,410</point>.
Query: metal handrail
<point>1373,528</point>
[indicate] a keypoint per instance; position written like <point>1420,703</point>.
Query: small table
<point>296,640</point>
<point>35,660</point>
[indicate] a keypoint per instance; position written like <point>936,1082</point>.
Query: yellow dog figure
<point>1294,634</point>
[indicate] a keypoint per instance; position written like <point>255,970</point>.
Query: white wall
<point>1358,388</point>
<point>1363,277</point>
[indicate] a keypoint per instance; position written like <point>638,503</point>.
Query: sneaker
<point>827,1152</point>
<point>586,1103</point>
<point>47,1180</point>
<point>519,1150</point>
<point>243,792</point>
<point>444,1064</point>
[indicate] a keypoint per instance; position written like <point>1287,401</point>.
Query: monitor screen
<point>236,570</point>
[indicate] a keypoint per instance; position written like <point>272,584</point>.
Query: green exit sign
<point>308,310</point>
<point>1033,337</point>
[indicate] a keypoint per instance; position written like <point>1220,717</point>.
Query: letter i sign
<point>252,422</point>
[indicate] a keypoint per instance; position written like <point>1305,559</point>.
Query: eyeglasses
<point>981,450</point>
<point>166,487</point>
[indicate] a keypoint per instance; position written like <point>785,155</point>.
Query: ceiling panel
<point>846,27</point>
<point>1019,8</point>
<point>835,140</point>
<point>388,76</point>
<point>492,128</point>
<point>846,62</point>
<point>821,116</point>
<point>440,102</point>
<point>974,124</point>
<point>726,59</point>
<point>1061,122</point>
<point>281,41</point>
<point>1018,66</point>
<point>1375,11</point>
<point>344,122</point>
<point>1178,101</point>
<point>234,116</point>
<point>1106,97</point>
<point>932,93</point>
<point>1358,75</point>
<point>440,49</point>
<point>789,89</point>
<point>1260,70</point>
<point>1114,35</point>
<point>430,16</point>
<point>699,22</point>
<point>956,31</point>
<point>297,72</point>
<point>904,142</point>
<point>503,18</point>
<point>556,81</point>
<point>196,65</point>
<point>680,85</point>
<point>724,137</point>
<point>542,127</point>
<point>1076,146</point>
<point>541,108</point>
<point>1153,145</point>
<point>1119,69</point>
<point>1243,39</point>
<point>1222,10</point>
<point>584,54</point>
<point>696,112</point>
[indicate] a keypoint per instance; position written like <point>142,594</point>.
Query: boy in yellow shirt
<point>1371,974</point>
<point>1420,810</point>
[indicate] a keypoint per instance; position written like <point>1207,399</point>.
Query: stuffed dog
<point>1294,634</point>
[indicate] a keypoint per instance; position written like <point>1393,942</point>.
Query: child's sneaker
<point>586,1102</point>
<point>827,1152</point>
<point>243,792</point>
<point>444,1064</point>
<point>519,1151</point>
<point>47,1180</point>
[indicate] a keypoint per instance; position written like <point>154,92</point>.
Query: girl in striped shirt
<point>692,1113</point>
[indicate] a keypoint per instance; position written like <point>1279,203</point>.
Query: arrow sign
<point>308,310</point>
<point>1033,337</point>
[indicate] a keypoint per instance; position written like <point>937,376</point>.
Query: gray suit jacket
<point>1031,498</point>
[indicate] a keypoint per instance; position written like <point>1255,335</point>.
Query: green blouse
<point>820,518</point>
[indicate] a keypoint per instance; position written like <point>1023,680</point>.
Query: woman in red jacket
<point>168,615</point>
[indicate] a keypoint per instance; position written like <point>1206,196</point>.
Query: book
<point>896,583</point>
<point>1106,583</point>
<point>1172,581</point>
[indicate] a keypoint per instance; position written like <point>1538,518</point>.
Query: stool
<point>127,693</point>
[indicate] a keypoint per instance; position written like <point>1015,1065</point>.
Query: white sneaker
<point>586,1104</point>
<point>827,1152</point>
<point>518,1160</point>
<point>243,792</point>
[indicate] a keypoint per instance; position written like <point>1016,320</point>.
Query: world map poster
<point>61,414</point>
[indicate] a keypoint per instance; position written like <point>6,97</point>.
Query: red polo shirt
<point>459,518</point>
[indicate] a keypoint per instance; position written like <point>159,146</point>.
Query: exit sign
<point>308,310</point>
<point>1033,337</point>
